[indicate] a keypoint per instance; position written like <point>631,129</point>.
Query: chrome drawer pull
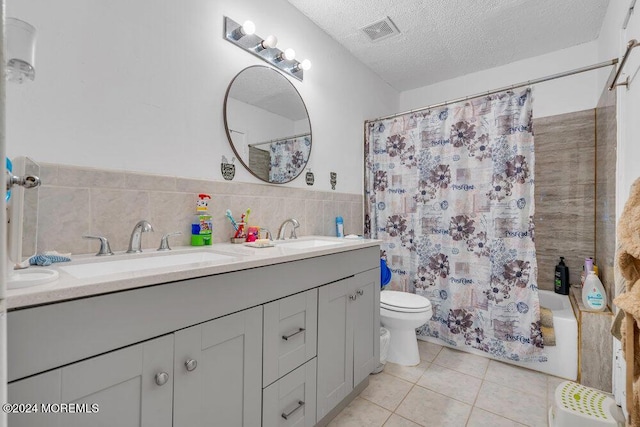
<point>360,292</point>
<point>286,415</point>
<point>286,337</point>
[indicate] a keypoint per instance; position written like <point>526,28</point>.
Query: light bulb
<point>270,42</point>
<point>305,65</point>
<point>289,54</point>
<point>248,28</point>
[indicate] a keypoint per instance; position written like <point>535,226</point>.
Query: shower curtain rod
<point>279,139</point>
<point>608,63</point>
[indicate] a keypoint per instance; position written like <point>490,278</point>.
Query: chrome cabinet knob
<point>353,297</point>
<point>162,378</point>
<point>360,292</point>
<point>191,364</point>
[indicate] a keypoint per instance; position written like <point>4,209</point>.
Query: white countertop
<point>68,287</point>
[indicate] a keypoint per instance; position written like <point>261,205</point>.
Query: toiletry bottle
<point>594,296</point>
<point>562,278</point>
<point>588,266</point>
<point>339,226</point>
<point>201,226</point>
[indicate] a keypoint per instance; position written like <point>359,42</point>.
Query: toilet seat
<point>404,302</point>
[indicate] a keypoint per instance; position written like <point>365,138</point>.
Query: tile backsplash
<point>74,201</point>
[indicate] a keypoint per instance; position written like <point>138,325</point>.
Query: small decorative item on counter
<point>253,233</point>
<point>228,169</point>
<point>309,177</point>
<point>339,226</point>
<point>201,227</point>
<point>333,179</point>
<point>594,296</point>
<point>241,234</point>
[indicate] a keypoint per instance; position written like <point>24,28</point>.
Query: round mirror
<point>267,124</point>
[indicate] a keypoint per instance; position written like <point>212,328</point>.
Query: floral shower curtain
<point>450,192</point>
<point>288,157</point>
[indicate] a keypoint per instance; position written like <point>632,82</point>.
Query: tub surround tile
<point>565,150</point>
<point>596,346</point>
<point>428,408</point>
<point>386,390</point>
<point>517,378</point>
<point>451,383</point>
<point>482,418</point>
<point>465,363</point>
<point>361,412</point>
<point>521,406</point>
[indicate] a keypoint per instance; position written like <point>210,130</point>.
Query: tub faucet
<point>136,236</point>
<point>294,224</point>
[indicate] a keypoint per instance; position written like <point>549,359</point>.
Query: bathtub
<point>563,357</point>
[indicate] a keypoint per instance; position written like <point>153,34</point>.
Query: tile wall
<point>606,143</point>
<point>564,193</point>
<point>74,201</point>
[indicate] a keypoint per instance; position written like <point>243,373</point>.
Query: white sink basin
<point>135,263</point>
<point>308,244</point>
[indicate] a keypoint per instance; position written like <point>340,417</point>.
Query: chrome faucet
<point>294,224</point>
<point>136,236</point>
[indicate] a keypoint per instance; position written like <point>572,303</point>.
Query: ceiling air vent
<point>379,30</point>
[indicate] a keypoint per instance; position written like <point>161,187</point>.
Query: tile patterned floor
<point>451,388</point>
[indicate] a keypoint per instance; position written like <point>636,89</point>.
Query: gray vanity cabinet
<point>132,387</point>
<point>218,372</point>
<point>348,336</point>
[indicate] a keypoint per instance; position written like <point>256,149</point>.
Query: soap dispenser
<point>562,278</point>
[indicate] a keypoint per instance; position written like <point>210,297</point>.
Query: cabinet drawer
<point>291,401</point>
<point>290,332</point>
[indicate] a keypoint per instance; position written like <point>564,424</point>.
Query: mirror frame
<point>227,131</point>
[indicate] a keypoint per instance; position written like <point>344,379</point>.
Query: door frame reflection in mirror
<point>267,94</point>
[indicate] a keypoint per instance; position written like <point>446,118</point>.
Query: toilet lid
<point>403,301</point>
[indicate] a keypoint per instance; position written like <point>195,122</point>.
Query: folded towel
<point>548,336</point>
<point>45,260</point>
<point>546,317</point>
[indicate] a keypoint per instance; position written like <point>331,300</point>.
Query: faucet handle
<point>164,242</point>
<point>296,224</point>
<point>267,233</point>
<point>105,249</point>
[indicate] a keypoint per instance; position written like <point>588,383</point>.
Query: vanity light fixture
<point>244,37</point>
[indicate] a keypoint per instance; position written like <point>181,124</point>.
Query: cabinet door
<point>366,324</point>
<point>335,345</point>
<point>122,384</point>
<point>291,401</point>
<point>218,372</point>
<point>290,334</point>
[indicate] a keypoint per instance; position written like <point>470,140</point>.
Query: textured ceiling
<point>266,88</point>
<point>442,39</point>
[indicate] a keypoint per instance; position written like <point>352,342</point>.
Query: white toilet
<point>401,313</point>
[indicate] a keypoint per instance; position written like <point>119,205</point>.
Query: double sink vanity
<point>225,335</point>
